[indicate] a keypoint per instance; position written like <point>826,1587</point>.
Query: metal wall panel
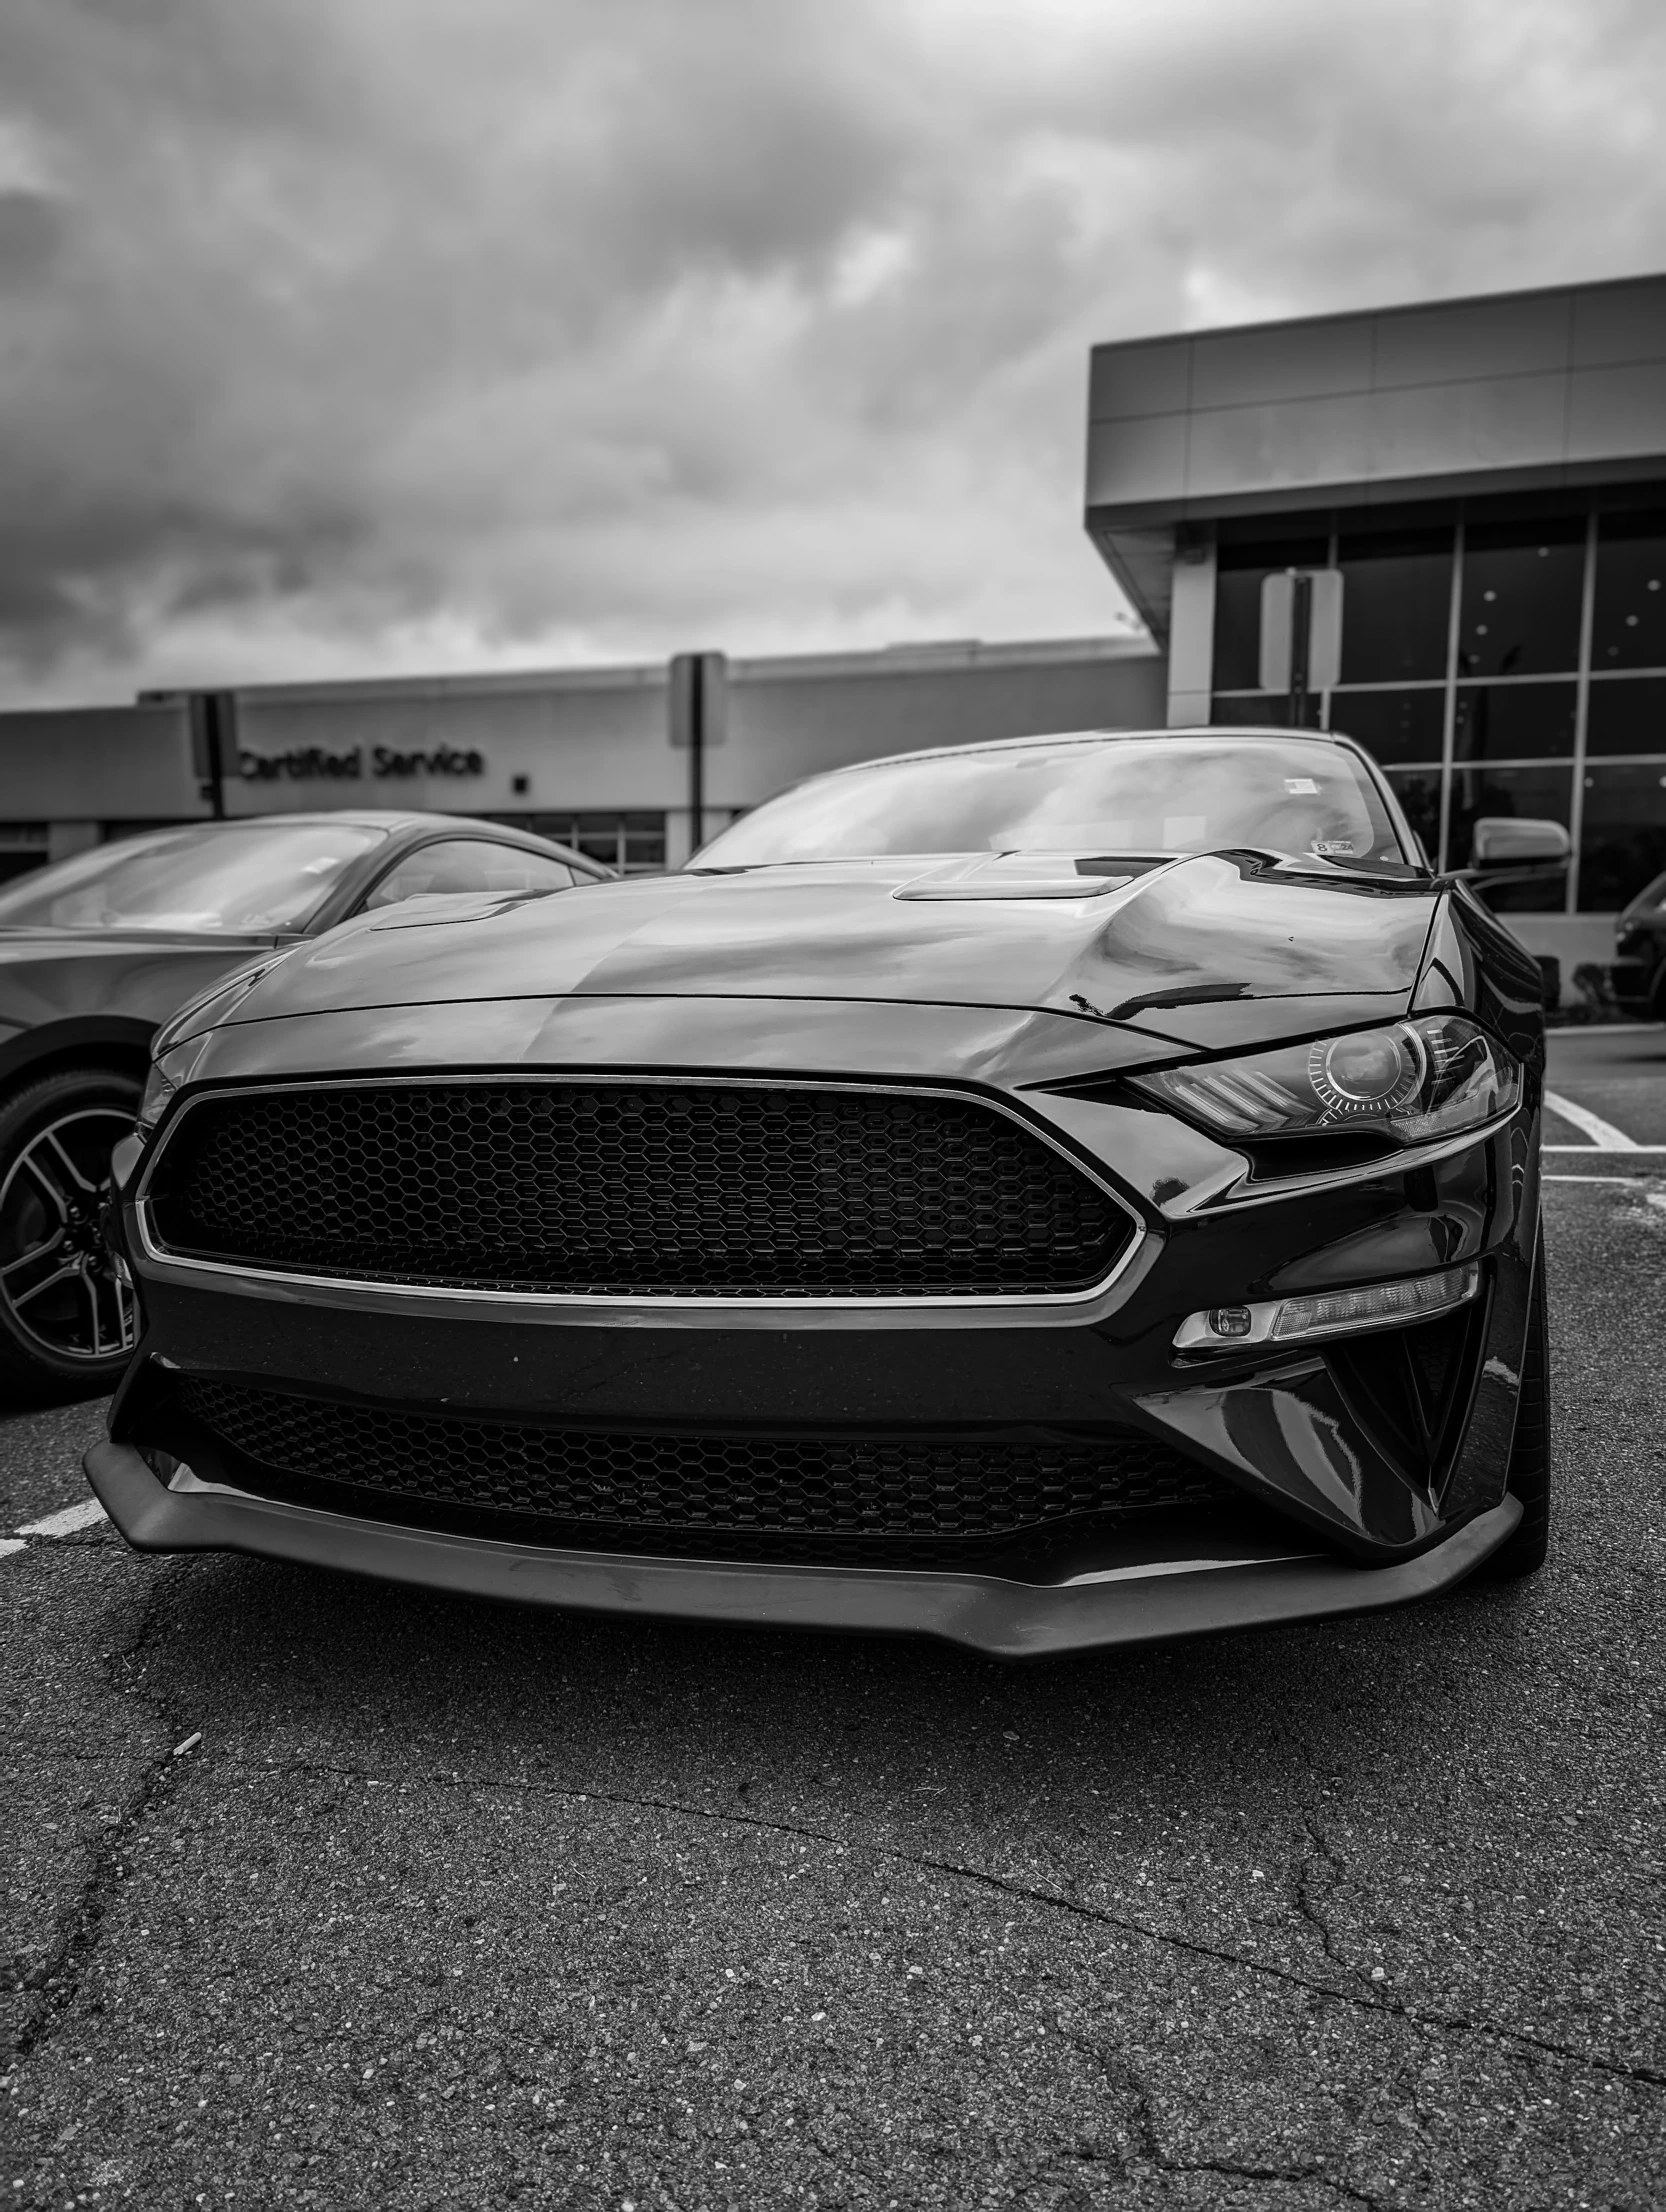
<point>1403,402</point>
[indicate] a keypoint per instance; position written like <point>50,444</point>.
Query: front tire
<point>1525,1549</point>
<point>67,1324</point>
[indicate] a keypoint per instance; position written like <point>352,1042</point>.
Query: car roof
<point>397,822</point>
<point>1250,730</point>
<point>366,817</point>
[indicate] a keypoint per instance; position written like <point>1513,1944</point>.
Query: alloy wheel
<point>57,1277</point>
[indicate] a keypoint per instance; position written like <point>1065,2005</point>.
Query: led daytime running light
<point>1330,1313</point>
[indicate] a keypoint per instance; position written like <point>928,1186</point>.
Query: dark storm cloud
<point>352,332</point>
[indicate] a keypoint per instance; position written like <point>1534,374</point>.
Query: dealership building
<point>1487,476</point>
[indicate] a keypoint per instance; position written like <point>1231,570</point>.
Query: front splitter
<point>1004,1620</point>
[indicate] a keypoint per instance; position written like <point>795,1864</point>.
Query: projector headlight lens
<point>1410,1082</point>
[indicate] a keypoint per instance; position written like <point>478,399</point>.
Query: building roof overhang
<point>1559,389</point>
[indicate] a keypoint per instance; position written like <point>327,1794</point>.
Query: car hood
<point>1217,927</point>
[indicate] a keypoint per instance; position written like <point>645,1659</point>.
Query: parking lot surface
<point>1617,1074</point>
<point>329,1894</point>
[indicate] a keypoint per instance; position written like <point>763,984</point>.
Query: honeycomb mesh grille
<point>742,1495</point>
<point>621,1189</point>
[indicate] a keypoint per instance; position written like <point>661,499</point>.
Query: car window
<point>1121,795</point>
<point>467,864</point>
<point>222,876</point>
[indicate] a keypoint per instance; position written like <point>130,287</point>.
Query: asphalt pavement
<point>334,1895</point>
<point>1618,1074</point>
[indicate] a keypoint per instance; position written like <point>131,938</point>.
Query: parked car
<point>1639,971</point>
<point>1043,1194</point>
<point>98,950</point>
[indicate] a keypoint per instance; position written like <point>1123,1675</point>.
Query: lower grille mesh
<point>896,1498</point>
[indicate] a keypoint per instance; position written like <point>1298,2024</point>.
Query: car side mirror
<point>1504,844</point>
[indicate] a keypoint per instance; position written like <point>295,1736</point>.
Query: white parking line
<point>1602,1133</point>
<point>67,1522</point>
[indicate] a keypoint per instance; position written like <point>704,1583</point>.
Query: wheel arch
<point>91,1040</point>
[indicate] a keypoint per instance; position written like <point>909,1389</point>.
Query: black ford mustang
<point>1046,1194</point>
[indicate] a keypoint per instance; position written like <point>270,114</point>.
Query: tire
<point>67,1326</point>
<point>1525,1549</point>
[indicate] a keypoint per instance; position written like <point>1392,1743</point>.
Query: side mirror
<point>1504,843</point>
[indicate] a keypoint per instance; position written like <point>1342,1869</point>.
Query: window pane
<point>1629,621</point>
<point>1182,792</point>
<point>633,840</point>
<point>1521,599</point>
<point>1627,717</point>
<point>1418,791</point>
<point>1262,709</point>
<point>222,876</point>
<point>468,864</point>
<point>1541,794</point>
<point>1239,570</point>
<point>1514,721</point>
<point>1623,841</point>
<point>1396,604</point>
<point>1394,725</point>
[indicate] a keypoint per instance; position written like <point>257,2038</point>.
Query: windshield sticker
<point>1302,787</point>
<point>1330,848</point>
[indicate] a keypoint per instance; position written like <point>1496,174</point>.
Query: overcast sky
<point>346,335</point>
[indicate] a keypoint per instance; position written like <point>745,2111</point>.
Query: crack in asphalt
<point>1320,1853</point>
<point>57,1979</point>
<point>1154,2154</point>
<point>1385,2003</point>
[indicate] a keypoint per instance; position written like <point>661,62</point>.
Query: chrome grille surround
<point>1121,1237</point>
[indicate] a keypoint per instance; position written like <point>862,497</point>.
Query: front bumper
<point>1137,1604</point>
<point>1332,1505</point>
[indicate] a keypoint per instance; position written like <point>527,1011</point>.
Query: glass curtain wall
<point>1496,662</point>
<point>633,843</point>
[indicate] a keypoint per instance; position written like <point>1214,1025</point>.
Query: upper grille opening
<point>636,1189</point>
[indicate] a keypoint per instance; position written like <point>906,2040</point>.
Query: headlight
<point>170,1068</point>
<point>1411,1082</point>
<point>209,1008</point>
<point>183,1038</point>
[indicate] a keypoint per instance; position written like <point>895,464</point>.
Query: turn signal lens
<point>1331,1313</point>
<point>1412,1082</point>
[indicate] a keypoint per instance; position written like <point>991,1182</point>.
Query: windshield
<point>232,878</point>
<point>1119,795</point>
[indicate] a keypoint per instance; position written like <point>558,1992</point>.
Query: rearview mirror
<point>1504,843</point>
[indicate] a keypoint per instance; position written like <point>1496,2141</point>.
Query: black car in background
<point>1052,1193</point>
<point>1639,970</point>
<point>98,950</point>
